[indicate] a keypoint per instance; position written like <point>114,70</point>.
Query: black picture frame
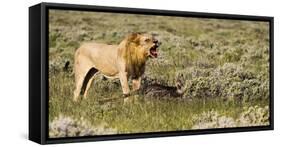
<point>38,71</point>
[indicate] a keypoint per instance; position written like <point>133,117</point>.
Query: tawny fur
<point>123,61</point>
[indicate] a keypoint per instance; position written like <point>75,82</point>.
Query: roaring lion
<point>123,61</point>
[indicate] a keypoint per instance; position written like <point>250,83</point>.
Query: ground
<point>223,66</point>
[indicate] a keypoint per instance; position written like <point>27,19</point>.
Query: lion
<point>123,61</point>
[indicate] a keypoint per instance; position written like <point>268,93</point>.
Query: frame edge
<point>35,99</point>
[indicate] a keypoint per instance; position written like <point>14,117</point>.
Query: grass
<point>223,65</point>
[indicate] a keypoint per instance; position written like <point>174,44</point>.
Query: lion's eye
<point>147,40</point>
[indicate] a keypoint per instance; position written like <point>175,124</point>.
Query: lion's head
<point>136,48</point>
<point>144,44</point>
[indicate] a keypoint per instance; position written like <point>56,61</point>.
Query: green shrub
<point>230,82</point>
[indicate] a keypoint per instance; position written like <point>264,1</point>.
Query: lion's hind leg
<point>83,83</point>
<point>79,78</point>
<point>88,81</point>
<point>81,69</point>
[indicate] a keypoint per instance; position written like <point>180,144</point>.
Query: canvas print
<point>118,73</point>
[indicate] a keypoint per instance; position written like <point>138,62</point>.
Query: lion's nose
<point>155,41</point>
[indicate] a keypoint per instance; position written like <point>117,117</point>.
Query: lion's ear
<point>134,37</point>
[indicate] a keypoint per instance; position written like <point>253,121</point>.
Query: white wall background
<point>14,71</point>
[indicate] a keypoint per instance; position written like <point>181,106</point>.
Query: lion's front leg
<point>124,83</point>
<point>136,83</point>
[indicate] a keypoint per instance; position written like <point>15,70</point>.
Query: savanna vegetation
<point>221,65</point>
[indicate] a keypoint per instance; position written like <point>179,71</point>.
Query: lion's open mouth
<point>153,51</point>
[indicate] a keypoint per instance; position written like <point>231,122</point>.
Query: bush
<point>251,116</point>
<point>254,116</point>
<point>63,126</point>
<point>212,119</point>
<point>230,82</point>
